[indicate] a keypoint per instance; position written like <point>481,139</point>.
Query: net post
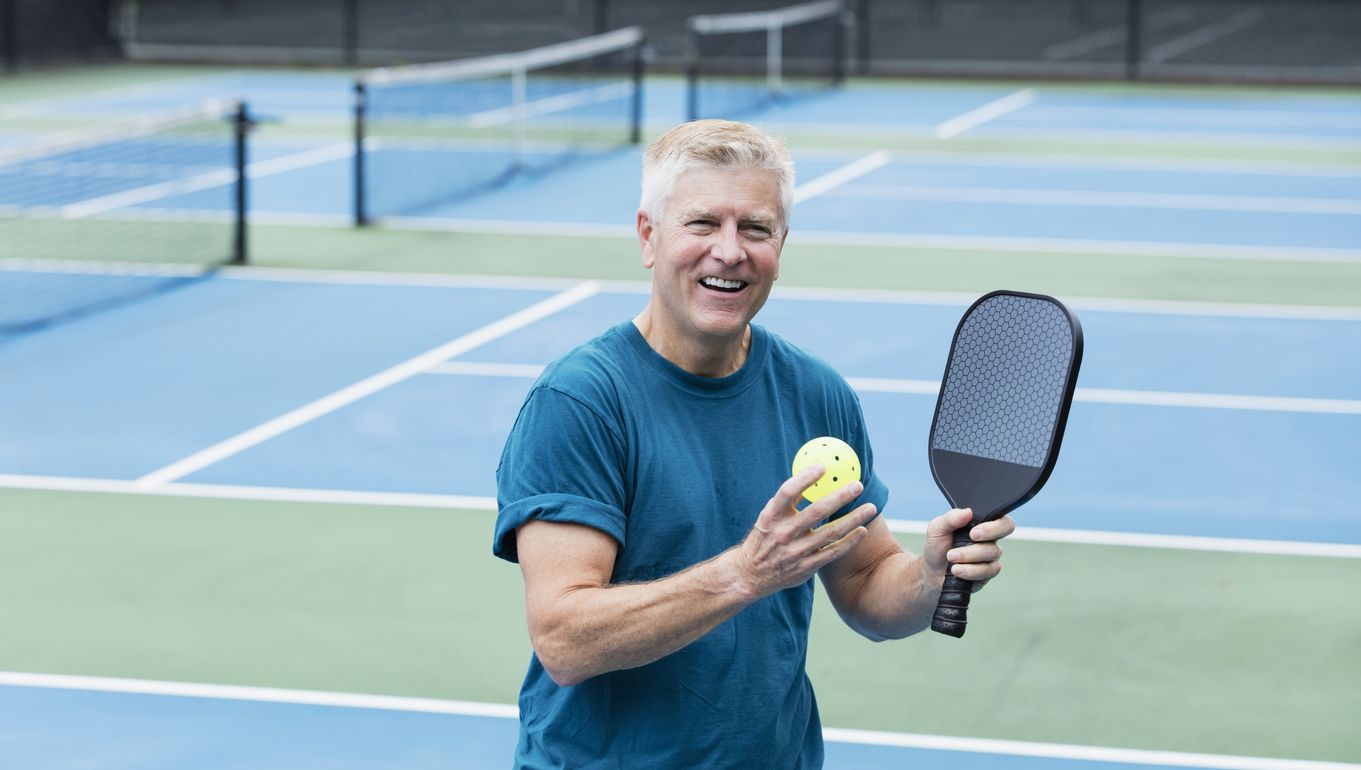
<point>692,76</point>
<point>360,106</point>
<point>1133,27</point>
<point>241,126</point>
<point>639,64</point>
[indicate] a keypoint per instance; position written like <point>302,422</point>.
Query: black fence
<point>1308,41</point>
<point>1215,40</point>
<point>44,32</point>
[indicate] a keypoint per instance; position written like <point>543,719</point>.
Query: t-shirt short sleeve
<point>562,462</point>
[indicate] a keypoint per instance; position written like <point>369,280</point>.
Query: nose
<point>727,246</point>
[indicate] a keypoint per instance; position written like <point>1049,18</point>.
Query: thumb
<point>940,535</point>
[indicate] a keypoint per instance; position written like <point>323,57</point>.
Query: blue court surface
<point>1181,397</point>
<point>221,730</point>
<point>1196,425</point>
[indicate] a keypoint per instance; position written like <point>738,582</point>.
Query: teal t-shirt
<point>676,468</point>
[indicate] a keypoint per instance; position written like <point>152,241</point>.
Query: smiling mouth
<point>722,284</point>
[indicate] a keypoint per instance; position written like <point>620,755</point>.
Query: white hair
<point>722,144</point>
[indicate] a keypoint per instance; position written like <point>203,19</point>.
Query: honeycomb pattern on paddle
<point>1006,379</point>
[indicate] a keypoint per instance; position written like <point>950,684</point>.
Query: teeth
<point>719,283</point>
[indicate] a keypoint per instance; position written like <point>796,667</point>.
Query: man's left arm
<point>885,592</point>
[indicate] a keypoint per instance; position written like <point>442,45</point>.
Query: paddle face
<point>1001,413</point>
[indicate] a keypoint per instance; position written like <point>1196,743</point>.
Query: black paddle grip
<point>952,609</point>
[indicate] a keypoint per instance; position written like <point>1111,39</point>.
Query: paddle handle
<point>952,609</point>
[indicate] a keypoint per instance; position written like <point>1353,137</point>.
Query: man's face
<point>714,250</point>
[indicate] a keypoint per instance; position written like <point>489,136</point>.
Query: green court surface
<point>1091,645</point>
<point>844,265</point>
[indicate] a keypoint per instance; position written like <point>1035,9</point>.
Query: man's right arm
<point>582,625</point>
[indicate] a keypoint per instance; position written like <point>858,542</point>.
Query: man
<point>643,491</point>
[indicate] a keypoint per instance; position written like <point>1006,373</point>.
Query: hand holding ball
<point>836,456</point>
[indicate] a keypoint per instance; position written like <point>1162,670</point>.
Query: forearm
<point>592,630</point>
<point>893,599</point>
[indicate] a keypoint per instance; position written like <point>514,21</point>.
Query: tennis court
<point>246,523</point>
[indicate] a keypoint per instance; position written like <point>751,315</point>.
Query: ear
<point>645,233</point>
<point>778,251</point>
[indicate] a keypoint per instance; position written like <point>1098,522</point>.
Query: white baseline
<point>509,711</point>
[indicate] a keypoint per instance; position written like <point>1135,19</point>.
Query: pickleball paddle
<point>1000,416</point>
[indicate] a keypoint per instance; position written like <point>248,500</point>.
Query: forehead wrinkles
<point>758,215</point>
<point>750,195</point>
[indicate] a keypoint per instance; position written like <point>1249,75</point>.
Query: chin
<point>721,327</point>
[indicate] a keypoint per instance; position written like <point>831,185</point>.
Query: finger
<point>993,530</point>
<point>836,549</point>
<point>977,572</point>
<point>945,524</point>
<point>940,536</point>
<point>832,503</point>
<point>833,531</point>
<point>792,489</point>
<point>978,553</point>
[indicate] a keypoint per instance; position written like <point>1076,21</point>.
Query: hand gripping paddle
<point>1000,416</point>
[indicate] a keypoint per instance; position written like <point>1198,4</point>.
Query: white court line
<point>126,198</point>
<point>476,369</point>
<point>1161,542</point>
<point>466,503</point>
<point>1209,117</point>
<point>1045,246</point>
<point>81,100</point>
<point>853,170</point>
<point>1047,137</point>
<point>980,115</point>
<point>532,109</point>
<point>797,293</point>
<point>1265,204</point>
<point>368,386</point>
<point>261,694</point>
<point>1099,304</point>
<point>802,293</point>
<point>1144,397</point>
<point>1175,47</point>
<point>299,160</point>
<point>1096,248</point>
<point>509,711</point>
<point>1088,753</point>
<point>234,492</point>
<point>932,387</point>
<point>1051,160</point>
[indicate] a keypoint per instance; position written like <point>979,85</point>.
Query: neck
<point>708,357</point>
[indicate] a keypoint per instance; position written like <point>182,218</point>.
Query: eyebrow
<point>763,218</point>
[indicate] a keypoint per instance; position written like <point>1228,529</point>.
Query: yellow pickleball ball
<point>841,462</point>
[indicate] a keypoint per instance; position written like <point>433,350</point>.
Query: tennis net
<point>427,134</point>
<point>738,63</point>
<point>101,218</point>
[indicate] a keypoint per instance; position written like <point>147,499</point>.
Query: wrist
<point>929,581</point>
<point>735,576</point>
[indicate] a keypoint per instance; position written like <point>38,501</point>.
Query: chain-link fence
<point>39,32</point>
<point>1218,40</point>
